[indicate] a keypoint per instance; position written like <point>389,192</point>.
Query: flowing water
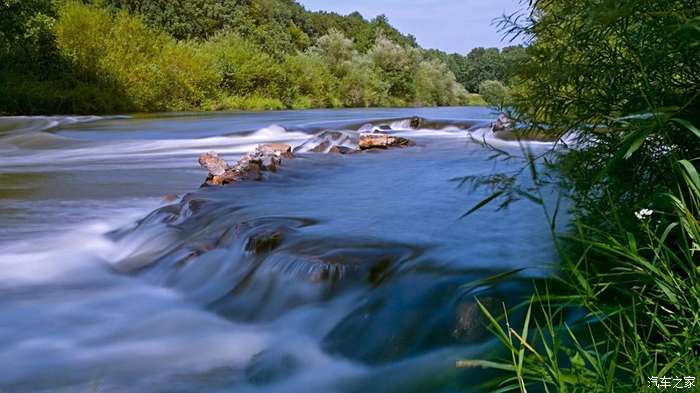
<point>338,273</point>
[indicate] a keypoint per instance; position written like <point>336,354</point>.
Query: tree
<point>26,34</point>
<point>494,93</point>
<point>397,66</point>
<point>483,64</point>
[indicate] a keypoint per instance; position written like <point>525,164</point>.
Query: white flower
<point>643,214</point>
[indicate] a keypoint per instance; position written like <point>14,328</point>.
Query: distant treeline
<point>107,56</point>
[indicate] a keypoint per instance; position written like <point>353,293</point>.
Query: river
<point>338,273</point>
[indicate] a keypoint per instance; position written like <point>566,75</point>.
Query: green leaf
<point>629,145</point>
<point>577,361</point>
<point>688,125</point>
<point>691,172</point>
<point>467,363</point>
<point>483,203</point>
<point>636,141</point>
<point>529,196</point>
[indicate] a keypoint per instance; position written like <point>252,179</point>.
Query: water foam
<point>125,152</point>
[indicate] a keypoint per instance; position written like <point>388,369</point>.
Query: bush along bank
<point>78,57</point>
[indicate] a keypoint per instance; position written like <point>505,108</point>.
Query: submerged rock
<point>341,150</point>
<point>329,147</point>
<point>329,141</point>
<point>382,141</point>
<point>279,150</point>
<point>266,157</point>
<point>416,122</point>
<point>502,124</point>
<point>264,241</point>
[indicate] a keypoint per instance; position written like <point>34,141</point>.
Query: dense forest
<point>107,56</point>
<point>621,78</point>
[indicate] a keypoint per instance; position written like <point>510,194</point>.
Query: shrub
<point>244,68</point>
<point>362,86</point>
<point>397,66</point>
<point>253,103</point>
<point>155,71</point>
<point>436,85</point>
<point>104,51</point>
<point>494,93</point>
<point>309,76</point>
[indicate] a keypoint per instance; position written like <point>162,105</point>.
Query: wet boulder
<point>382,141</point>
<point>211,161</point>
<point>279,150</point>
<point>264,241</point>
<point>502,124</point>
<point>416,122</point>
<point>248,168</point>
<point>341,150</point>
<point>471,323</point>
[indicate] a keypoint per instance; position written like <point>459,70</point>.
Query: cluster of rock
<point>382,141</point>
<point>268,157</point>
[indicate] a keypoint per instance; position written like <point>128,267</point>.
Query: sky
<point>449,25</point>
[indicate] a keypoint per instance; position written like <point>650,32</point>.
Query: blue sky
<point>450,25</point>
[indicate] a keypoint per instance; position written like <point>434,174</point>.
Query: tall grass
<point>623,309</point>
<point>626,311</point>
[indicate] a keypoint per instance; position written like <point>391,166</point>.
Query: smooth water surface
<point>338,273</point>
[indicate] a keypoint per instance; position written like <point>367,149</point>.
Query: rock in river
<point>382,141</point>
<point>502,123</point>
<point>267,157</point>
<point>211,161</point>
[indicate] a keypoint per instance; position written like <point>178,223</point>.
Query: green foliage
<point>276,26</point>
<point>494,93</point>
<point>184,19</point>
<point>362,85</point>
<point>336,50</point>
<point>397,66</point>
<point>436,85</point>
<point>35,77</point>
<point>25,26</point>
<point>243,68</point>
<point>482,64</point>
<point>155,71</point>
<point>252,103</point>
<point>151,55</point>
<point>475,100</point>
<point>619,74</point>
<point>310,80</point>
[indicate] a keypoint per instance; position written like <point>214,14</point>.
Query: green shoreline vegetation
<point>622,313</point>
<point>119,56</point>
